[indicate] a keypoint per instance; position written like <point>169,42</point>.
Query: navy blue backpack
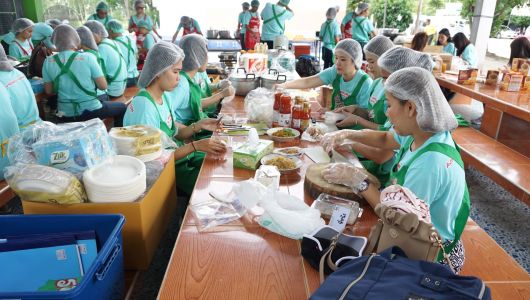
<point>391,275</point>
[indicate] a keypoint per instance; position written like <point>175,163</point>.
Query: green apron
<point>196,106</point>
<point>376,103</point>
<point>336,97</point>
<point>186,169</point>
<point>359,25</point>
<point>205,93</point>
<point>100,63</point>
<point>276,18</point>
<point>65,70</point>
<point>331,37</point>
<point>111,79</point>
<point>398,177</point>
<point>130,50</point>
<point>461,121</point>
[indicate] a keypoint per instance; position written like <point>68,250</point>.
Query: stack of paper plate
<point>140,141</point>
<point>118,179</point>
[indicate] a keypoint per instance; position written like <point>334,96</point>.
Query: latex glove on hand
<point>223,84</point>
<point>229,91</point>
<point>335,139</point>
<point>344,174</point>
<point>349,121</point>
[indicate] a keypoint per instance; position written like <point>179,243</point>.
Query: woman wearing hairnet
<point>362,29</point>
<point>330,36</point>
<point>88,45</point>
<point>351,85</point>
<point>112,61</point>
<point>149,38</point>
<point>8,122</point>
<point>102,14</point>
<point>74,76</point>
<point>21,94</point>
<point>274,17</point>
<point>152,106</point>
<point>428,162</point>
<point>251,24</point>
<point>189,26</point>
<point>188,97</point>
<point>21,47</point>
<point>42,33</point>
<point>139,7</point>
<point>241,29</point>
<point>128,49</point>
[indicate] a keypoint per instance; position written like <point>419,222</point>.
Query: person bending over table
<point>152,106</point>
<point>428,161</point>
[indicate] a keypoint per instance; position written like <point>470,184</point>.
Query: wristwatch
<point>363,186</point>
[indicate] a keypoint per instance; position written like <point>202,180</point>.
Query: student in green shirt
<point>42,33</point>
<point>21,47</point>
<point>102,14</point>
<point>362,28</point>
<point>241,28</point>
<point>128,49</point>
<point>330,36</point>
<point>88,45</point>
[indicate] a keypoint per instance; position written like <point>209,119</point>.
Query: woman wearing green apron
<point>351,85</point>
<point>152,106</point>
<point>208,89</point>
<point>362,29</point>
<point>428,162</point>
<point>102,14</point>
<point>188,97</point>
<point>88,45</point>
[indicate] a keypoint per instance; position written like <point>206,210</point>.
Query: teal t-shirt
<point>22,97</point>
<point>111,58</point>
<point>271,28</point>
<point>241,20</point>
<point>129,51</point>
<point>103,21</point>
<point>449,48</point>
<point>149,41</point>
<point>328,32</point>
<point>470,55</point>
<point>42,32</point>
<point>86,69</point>
<point>180,100</point>
<point>8,38</point>
<point>21,50</point>
<point>8,127</point>
<point>134,20</point>
<point>347,18</point>
<point>328,76</point>
<point>436,179</point>
<point>141,111</point>
<point>361,28</point>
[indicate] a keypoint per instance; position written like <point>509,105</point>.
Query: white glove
<point>223,84</point>
<point>228,91</point>
<point>334,139</point>
<point>344,174</point>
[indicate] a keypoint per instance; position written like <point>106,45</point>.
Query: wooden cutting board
<point>315,184</point>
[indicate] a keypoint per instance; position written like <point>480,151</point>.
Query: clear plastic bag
<point>283,61</point>
<point>153,169</point>
<point>315,132</point>
<point>259,104</point>
<point>213,213</point>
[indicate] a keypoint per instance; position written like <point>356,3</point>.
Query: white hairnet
<point>331,13</point>
<point>5,65</point>
<point>54,22</point>
<point>419,86</point>
<point>378,45</point>
<point>196,51</point>
<point>185,20</point>
<point>399,57</point>
<point>139,3</point>
<point>352,48</point>
<point>161,57</point>
<point>87,39</point>
<point>21,24</point>
<point>97,28</point>
<point>361,7</point>
<point>65,37</point>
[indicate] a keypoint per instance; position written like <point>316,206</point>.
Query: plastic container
<point>104,279</point>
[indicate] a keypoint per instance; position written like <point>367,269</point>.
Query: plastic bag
<point>39,183</point>
<point>315,132</point>
<point>283,61</point>
<point>213,213</point>
<point>153,169</point>
<point>141,141</point>
<point>73,147</point>
<point>259,104</point>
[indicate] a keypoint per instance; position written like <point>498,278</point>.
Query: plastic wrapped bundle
<point>259,104</point>
<point>143,142</point>
<point>45,184</point>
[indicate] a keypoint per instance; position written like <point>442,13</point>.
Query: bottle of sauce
<point>276,109</point>
<point>285,111</point>
<point>305,116</point>
<point>297,116</point>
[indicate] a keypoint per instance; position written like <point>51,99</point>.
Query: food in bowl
<point>282,163</point>
<point>284,133</point>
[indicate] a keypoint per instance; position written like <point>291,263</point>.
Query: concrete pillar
<point>481,26</point>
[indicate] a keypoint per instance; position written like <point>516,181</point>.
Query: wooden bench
<point>507,167</point>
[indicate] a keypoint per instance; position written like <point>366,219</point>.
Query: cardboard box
<point>511,82</point>
<point>492,78</point>
<point>521,65</point>
<point>247,157</point>
<point>467,77</point>
<point>146,220</point>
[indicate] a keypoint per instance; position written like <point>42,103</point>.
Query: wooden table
<point>242,260</point>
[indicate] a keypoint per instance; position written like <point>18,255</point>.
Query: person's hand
<point>278,86</point>
<point>208,124</point>
<point>349,121</point>
<point>212,146</point>
<point>344,174</point>
<point>229,91</point>
<point>335,139</point>
<point>347,109</point>
<point>223,84</point>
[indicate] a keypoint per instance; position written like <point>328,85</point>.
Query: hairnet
<point>139,3</point>
<point>184,20</point>
<point>378,45</point>
<point>21,24</point>
<point>54,22</point>
<point>361,7</point>
<point>254,3</point>
<point>65,37</point>
<point>194,47</point>
<point>331,13</point>
<point>398,58</point>
<point>353,49</point>
<point>115,26</point>
<point>97,28</point>
<point>143,24</point>
<point>246,5</point>
<point>102,6</point>
<point>285,2</point>
<point>419,86</point>
<point>161,57</point>
<point>87,39</point>
<point>5,65</point>
<point>41,31</point>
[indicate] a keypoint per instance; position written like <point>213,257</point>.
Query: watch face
<point>363,186</point>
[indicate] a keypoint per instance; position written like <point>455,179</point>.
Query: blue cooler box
<point>104,279</point>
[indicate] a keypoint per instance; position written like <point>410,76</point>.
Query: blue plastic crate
<point>104,279</point>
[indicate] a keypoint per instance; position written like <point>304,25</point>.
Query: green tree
<point>351,5</point>
<point>432,6</point>
<point>398,13</point>
<point>503,10</point>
